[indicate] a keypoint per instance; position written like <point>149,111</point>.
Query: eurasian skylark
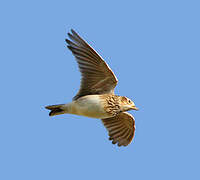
<point>96,98</point>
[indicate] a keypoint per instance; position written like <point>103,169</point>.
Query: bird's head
<point>127,104</point>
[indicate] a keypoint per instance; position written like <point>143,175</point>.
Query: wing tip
<point>73,32</point>
<point>67,41</point>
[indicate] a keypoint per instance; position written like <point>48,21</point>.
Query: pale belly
<point>90,106</point>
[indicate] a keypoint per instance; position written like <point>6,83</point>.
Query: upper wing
<point>97,77</point>
<point>121,128</point>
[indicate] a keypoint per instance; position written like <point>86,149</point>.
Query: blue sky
<point>152,47</point>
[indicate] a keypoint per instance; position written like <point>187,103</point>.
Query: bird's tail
<point>55,109</point>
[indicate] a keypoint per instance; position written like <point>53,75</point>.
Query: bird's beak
<point>135,108</point>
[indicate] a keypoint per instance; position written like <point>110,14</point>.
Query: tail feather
<point>55,109</point>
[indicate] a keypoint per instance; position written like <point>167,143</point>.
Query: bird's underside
<point>98,81</point>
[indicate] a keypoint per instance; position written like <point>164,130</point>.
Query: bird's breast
<point>90,106</point>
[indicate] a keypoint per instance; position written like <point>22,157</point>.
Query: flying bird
<point>96,98</point>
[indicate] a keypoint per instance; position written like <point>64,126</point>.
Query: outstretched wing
<point>121,128</point>
<point>97,77</point>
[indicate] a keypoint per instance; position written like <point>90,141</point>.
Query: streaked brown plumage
<point>96,96</point>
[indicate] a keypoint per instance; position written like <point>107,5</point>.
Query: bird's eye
<point>129,101</point>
